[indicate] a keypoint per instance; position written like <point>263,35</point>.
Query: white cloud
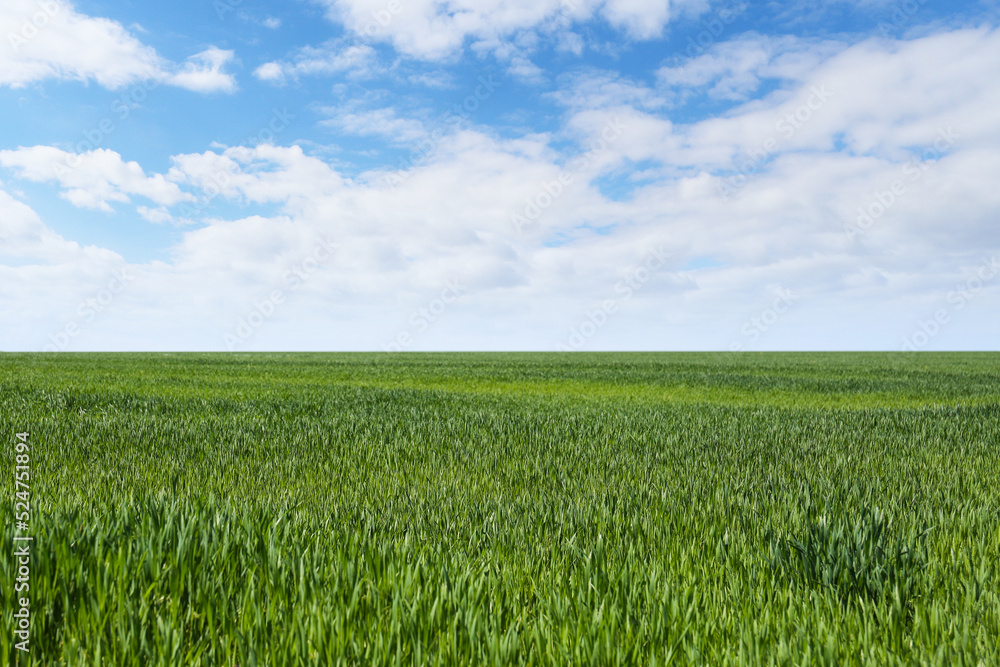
<point>600,89</point>
<point>49,39</point>
<point>522,68</point>
<point>786,226</point>
<point>270,72</point>
<point>43,277</point>
<point>24,236</point>
<point>440,79</point>
<point>733,70</point>
<point>382,122</point>
<point>331,58</point>
<point>157,215</point>
<point>451,218</point>
<point>570,42</point>
<point>433,30</point>
<point>92,179</point>
<point>203,72</point>
<point>262,174</point>
<point>641,19</point>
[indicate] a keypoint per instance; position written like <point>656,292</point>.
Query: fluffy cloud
<point>510,30</point>
<point>641,19</point>
<point>203,72</point>
<point>92,179</point>
<point>23,236</point>
<point>861,186</point>
<point>331,58</point>
<point>384,122</point>
<point>263,174</point>
<point>829,142</point>
<point>45,278</point>
<point>734,70</point>
<point>49,39</point>
<point>433,30</point>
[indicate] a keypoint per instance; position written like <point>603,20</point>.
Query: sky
<point>410,175</point>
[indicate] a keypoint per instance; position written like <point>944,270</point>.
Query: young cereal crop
<point>506,509</point>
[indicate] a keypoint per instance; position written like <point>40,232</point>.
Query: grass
<point>587,509</point>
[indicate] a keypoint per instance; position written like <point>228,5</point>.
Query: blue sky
<point>512,174</point>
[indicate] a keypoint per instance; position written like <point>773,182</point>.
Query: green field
<point>584,509</point>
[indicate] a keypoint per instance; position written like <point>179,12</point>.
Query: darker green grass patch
<point>860,559</point>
